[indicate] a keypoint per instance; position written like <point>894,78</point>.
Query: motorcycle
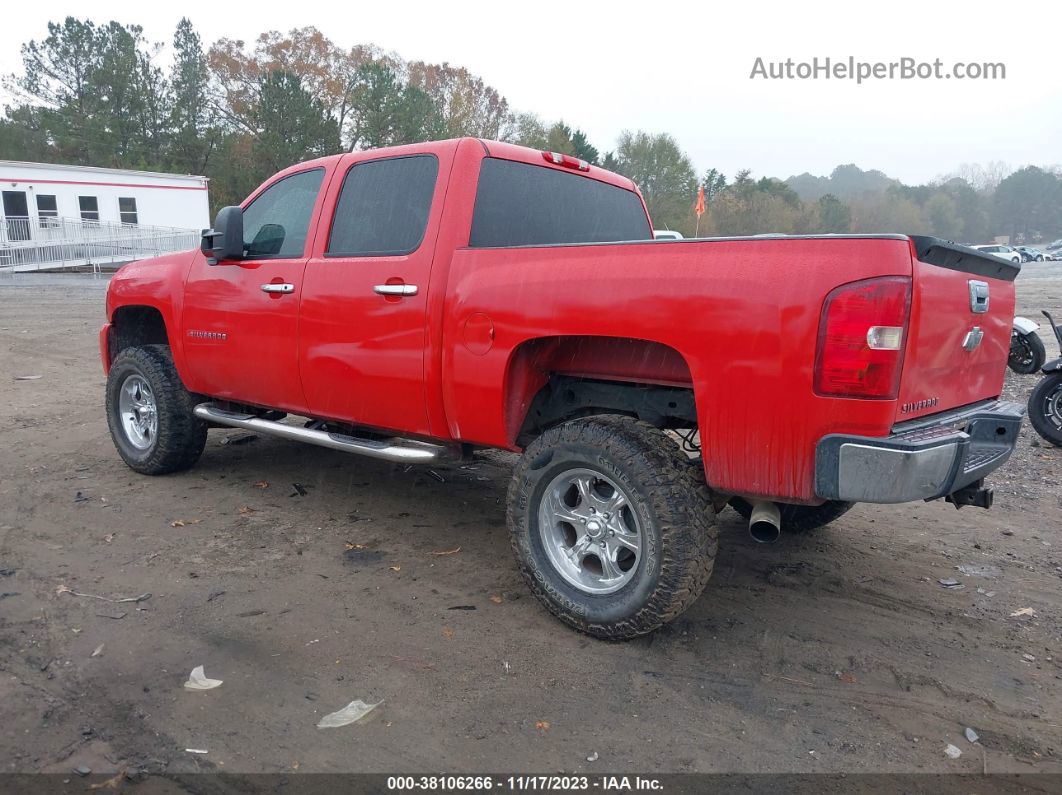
<point>1045,402</point>
<point>1027,354</point>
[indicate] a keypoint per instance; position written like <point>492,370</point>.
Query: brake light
<point>861,339</point>
<point>557,159</point>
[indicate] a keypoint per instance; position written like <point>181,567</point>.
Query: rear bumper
<point>921,460</point>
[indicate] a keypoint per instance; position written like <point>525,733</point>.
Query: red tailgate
<point>956,352</point>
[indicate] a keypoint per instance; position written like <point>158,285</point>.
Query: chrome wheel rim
<point>137,412</point>
<point>1053,406</point>
<point>589,531</point>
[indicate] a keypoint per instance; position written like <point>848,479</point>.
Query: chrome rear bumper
<point>920,460</point>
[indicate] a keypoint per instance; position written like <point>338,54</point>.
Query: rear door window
<point>523,205</point>
<point>383,207</point>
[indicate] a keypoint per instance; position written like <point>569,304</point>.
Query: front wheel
<point>1027,353</point>
<point>612,525</point>
<point>1045,409</point>
<point>150,412</point>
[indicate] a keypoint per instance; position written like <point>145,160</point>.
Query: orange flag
<point>699,208</point>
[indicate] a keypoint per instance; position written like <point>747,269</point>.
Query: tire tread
<point>680,500</point>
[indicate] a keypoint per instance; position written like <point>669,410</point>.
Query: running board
<point>407,451</point>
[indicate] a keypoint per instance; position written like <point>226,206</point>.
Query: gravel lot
<point>836,652</point>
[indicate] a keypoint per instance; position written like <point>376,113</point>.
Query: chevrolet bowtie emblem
<point>973,338</point>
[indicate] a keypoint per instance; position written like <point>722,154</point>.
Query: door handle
<point>278,288</point>
<point>395,289</point>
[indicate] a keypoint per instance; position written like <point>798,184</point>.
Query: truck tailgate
<point>962,309</point>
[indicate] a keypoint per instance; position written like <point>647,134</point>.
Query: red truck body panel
<point>737,320</point>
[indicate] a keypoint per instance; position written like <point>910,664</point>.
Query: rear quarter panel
<point>743,314</point>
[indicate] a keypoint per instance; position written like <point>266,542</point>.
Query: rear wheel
<point>150,412</point>
<point>800,518</point>
<point>1045,409</point>
<point>1027,353</point>
<point>612,525</point>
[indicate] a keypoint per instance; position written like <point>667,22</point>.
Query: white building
<point>63,216</point>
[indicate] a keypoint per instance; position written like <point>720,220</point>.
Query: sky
<point>684,68</point>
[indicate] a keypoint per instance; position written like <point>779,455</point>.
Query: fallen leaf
<point>246,509</point>
<point>112,783</point>
<point>262,484</point>
<point>447,632</point>
<point>395,568</point>
<point>496,598</point>
<point>848,679</point>
<point>98,651</point>
<point>351,713</point>
<point>295,765</point>
<point>1025,611</point>
<point>183,522</point>
<point>453,551</point>
<point>348,545</point>
<point>64,589</point>
<point>542,725</point>
<point>109,537</point>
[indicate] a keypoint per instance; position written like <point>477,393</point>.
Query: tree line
<point>237,112</point>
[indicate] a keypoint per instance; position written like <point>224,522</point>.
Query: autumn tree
<point>463,103</point>
<point>835,217</point>
<point>664,174</point>
<point>1029,200</point>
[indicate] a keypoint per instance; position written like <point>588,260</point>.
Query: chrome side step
<point>407,451</point>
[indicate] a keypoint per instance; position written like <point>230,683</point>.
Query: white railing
<point>35,243</point>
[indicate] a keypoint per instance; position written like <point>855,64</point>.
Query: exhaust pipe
<point>765,522</point>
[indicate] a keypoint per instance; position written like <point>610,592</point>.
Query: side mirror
<point>225,240</point>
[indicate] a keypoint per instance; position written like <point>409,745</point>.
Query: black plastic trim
<point>945,254</point>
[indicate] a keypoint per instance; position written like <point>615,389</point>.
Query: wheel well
<point>554,379</point>
<point>564,398</point>
<point>136,325</point>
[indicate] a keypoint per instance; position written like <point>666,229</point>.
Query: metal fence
<point>35,243</point>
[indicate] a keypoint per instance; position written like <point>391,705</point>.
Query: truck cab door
<point>240,318</point>
<point>363,334</point>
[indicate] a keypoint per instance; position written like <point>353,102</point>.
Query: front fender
<point>1023,325</point>
<point>1052,367</point>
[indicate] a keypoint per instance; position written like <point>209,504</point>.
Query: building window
<point>90,208</point>
<point>127,211</point>
<point>47,211</point>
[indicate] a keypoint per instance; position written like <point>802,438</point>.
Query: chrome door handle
<point>395,289</point>
<point>278,288</point>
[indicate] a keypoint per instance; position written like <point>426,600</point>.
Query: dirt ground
<point>838,652</point>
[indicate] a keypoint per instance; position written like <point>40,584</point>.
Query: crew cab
<point>418,303</point>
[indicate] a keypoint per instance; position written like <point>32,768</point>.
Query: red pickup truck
<point>416,303</point>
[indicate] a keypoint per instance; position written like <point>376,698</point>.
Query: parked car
<point>1055,245</point>
<point>1029,254</point>
<point>417,303</point>
<point>1003,252</point>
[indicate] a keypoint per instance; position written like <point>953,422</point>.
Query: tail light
<point>861,339</point>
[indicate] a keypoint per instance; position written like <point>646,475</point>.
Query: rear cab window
<point>518,204</point>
